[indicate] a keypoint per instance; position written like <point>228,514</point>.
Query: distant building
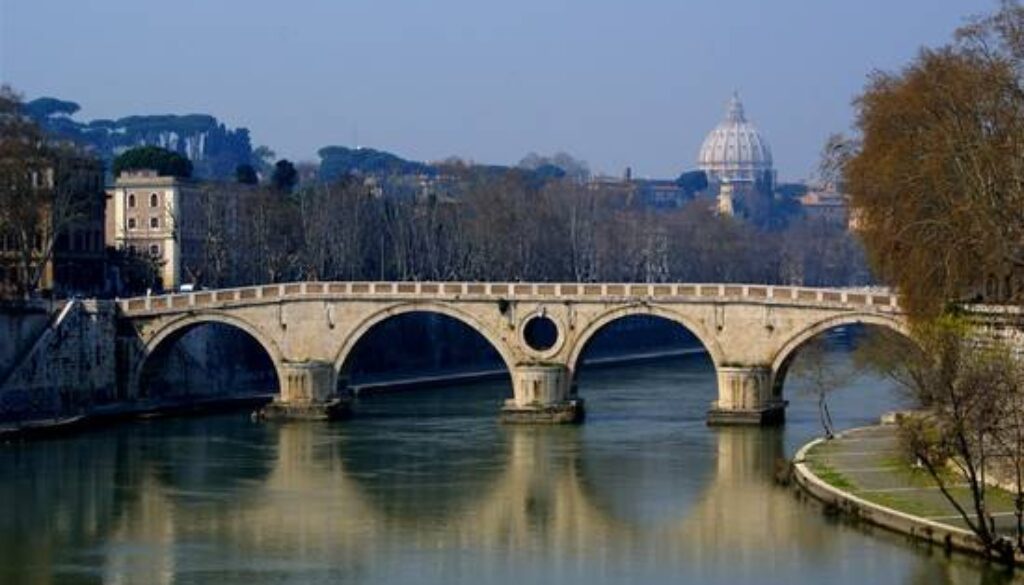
<point>828,206</point>
<point>169,219</point>
<point>77,264</point>
<point>734,155</point>
<point>651,193</point>
<point>79,254</point>
<point>661,193</point>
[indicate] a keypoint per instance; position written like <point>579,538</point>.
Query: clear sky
<point>636,82</point>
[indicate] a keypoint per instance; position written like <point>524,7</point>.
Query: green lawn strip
<point>918,477</point>
<point>908,504</point>
<point>997,500</point>
<point>829,475</point>
<point>934,504</point>
<point>893,460</point>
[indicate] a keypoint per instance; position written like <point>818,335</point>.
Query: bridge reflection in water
<point>428,488</point>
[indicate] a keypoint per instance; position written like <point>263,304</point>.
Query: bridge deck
<point>491,291</point>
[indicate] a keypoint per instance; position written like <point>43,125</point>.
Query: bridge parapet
<point>512,291</point>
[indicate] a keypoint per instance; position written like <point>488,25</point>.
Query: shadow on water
<point>426,487</point>
<point>418,455</point>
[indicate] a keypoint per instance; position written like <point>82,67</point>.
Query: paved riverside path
<point>869,464</point>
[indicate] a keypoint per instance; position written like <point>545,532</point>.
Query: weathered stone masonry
<point>66,368</point>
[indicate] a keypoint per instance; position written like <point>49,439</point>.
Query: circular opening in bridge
<point>540,333</point>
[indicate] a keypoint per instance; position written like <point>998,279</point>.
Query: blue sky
<point>622,83</point>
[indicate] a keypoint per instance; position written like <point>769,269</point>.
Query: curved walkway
<point>862,473</point>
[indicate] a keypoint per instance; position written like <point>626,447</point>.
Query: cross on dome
<point>736,109</point>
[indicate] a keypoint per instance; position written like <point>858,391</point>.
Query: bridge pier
<point>542,394</point>
<point>745,398</point>
<point>308,392</point>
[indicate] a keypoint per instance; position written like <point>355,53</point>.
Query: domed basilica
<point>736,159</point>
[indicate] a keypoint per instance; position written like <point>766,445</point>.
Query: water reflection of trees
<point>79,494</point>
<point>56,496</point>
<point>152,503</point>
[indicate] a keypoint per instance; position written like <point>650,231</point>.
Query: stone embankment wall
<point>60,363</point>
<point>64,361</point>
<point>21,324</point>
<point>860,509</point>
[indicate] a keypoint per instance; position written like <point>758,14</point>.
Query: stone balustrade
<point>492,291</point>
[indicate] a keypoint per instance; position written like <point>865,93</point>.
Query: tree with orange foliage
<point>938,181</point>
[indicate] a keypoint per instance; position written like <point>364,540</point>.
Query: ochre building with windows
<point>162,217</point>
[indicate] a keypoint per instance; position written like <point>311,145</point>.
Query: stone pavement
<point>868,464</point>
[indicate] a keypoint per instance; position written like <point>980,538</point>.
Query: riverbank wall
<point>59,360</point>
<point>60,370</point>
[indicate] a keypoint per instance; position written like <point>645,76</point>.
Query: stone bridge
<point>540,330</point>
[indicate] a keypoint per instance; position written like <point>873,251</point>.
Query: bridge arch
<point>178,327</point>
<point>440,308</point>
<point>595,326</point>
<point>784,356</point>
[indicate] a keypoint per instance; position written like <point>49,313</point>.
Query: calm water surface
<point>426,487</point>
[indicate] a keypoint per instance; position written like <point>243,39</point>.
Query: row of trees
<point>506,227</point>
<point>936,177</point>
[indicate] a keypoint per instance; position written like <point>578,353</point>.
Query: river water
<point>426,487</point>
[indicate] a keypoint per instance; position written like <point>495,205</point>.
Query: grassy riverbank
<point>868,464</point>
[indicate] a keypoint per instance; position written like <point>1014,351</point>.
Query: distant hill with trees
<point>338,161</point>
<point>398,176</point>
<point>558,165</point>
<point>214,149</point>
<point>166,163</point>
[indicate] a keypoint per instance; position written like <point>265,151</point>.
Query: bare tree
<point>821,376</point>
<point>1009,433</point>
<point>839,149</point>
<point>44,190</point>
<point>966,385</point>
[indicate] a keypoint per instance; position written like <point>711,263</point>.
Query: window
<point>154,222</point>
<point>154,250</point>
<point>154,200</point>
<point>131,223</point>
<point>131,200</point>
